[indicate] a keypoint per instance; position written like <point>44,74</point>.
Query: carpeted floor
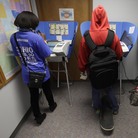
<point>79,120</point>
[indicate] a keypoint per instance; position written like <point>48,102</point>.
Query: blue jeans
<point>98,93</point>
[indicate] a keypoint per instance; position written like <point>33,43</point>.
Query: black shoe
<point>106,120</point>
<point>40,118</point>
<point>97,111</point>
<point>53,107</point>
<point>115,112</point>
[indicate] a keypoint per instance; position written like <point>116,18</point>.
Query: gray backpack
<point>134,97</point>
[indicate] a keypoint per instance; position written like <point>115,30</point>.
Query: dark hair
<point>27,20</point>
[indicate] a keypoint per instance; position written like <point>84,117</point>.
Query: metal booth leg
<point>69,93</point>
<point>120,91</point>
<point>58,75</point>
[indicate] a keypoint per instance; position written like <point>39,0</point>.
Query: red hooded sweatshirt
<point>98,31</point>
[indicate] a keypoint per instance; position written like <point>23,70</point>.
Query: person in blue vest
<point>35,52</point>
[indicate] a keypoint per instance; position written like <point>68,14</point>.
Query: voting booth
<point>127,33</point>
<point>59,31</point>
<point>120,28</point>
<point>60,37</point>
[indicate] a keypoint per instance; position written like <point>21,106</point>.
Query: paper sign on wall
<point>58,29</point>
<point>131,29</point>
<point>113,27</point>
<point>66,14</point>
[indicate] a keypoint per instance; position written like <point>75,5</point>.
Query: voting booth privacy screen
<point>126,31</point>
<point>59,31</point>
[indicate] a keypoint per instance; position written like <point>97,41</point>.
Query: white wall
<point>120,10</point>
<point>124,10</point>
<point>14,103</point>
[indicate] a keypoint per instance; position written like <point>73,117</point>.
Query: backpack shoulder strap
<point>109,38</point>
<point>88,40</point>
<point>92,45</point>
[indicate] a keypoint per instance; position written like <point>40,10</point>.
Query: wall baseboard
<point>21,122</point>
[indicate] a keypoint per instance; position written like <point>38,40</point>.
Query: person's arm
<point>42,35</point>
<point>83,55</point>
<point>43,49</point>
<point>118,49</point>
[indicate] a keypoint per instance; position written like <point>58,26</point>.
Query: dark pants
<point>34,97</point>
<point>97,96</point>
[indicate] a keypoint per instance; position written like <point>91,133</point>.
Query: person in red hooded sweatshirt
<point>98,32</point>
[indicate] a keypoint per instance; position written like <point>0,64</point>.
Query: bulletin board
<point>9,9</point>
